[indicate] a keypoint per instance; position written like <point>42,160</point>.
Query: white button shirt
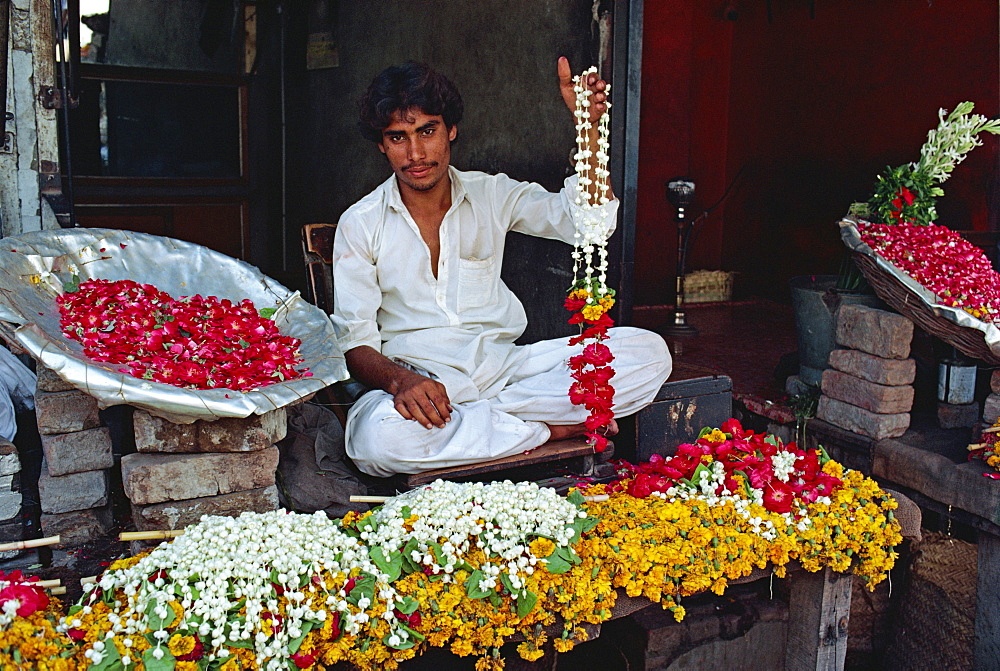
<point>460,326</point>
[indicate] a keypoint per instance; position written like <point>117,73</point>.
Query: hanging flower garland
<point>590,298</point>
<point>191,342</point>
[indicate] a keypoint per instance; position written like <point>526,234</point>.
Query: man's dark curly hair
<point>404,87</point>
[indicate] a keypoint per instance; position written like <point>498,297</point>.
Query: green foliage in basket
<point>907,193</point>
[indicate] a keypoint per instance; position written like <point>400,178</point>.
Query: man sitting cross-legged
<point>422,314</point>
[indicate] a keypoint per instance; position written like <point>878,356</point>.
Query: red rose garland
<point>191,342</point>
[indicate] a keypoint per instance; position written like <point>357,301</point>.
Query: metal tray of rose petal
<point>35,266</point>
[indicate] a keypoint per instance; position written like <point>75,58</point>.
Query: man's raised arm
<point>598,106</point>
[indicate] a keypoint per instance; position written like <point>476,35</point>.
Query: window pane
<point>173,34</point>
<point>156,129</point>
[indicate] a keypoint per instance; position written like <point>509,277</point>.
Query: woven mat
<point>936,624</point>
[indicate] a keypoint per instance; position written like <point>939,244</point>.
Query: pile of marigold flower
<point>29,621</point>
<point>942,261</point>
<point>191,342</point>
<point>469,566</point>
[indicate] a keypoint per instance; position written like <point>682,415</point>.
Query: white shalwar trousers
<point>382,443</point>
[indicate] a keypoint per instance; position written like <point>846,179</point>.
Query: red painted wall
<point>806,111</point>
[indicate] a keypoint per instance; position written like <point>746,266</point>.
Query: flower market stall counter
<point>472,567</point>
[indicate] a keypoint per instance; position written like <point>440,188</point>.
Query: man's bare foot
<point>567,431</point>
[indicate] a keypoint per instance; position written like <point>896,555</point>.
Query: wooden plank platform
<point>552,451</point>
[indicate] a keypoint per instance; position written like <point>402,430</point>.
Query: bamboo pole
<point>46,584</point>
<point>992,429</point>
<point>31,543</point>
<point>149,535</point>
<point>89,580</point>
<point>977,446</point>
<point>359,498</point>
<point>57,591</point>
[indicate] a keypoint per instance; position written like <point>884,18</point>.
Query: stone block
<point>796,386</point>
<point>10,531</point>
<point>155,478</point>
<point>861,421</point>
<point>884,334</point>
<point>10,505</point>
<point>76,491</point>
<point>991,408</point>
<point>50,381</point>
<point>79,451</point>
<point>892,372</point>
<point>955,416</point>
<point>995,382</point>
<point>179,514</point>
<point>230,434</point>
<point>65,411</point>
<point>878,398</point>
<point>10,463</point>
<point>79,526</point>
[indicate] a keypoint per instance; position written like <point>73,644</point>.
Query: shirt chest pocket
<point>477,282</point>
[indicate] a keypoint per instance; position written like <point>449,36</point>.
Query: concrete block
<point>179,514</point>
<point>79,451</point>
<point>878,398</point>
<point>65,411</point>
<point>10,463</point>
<point>892,372</point>
<point>79,526</point>
<point>155,478</point>
<point>76,491</point>
<point>884,334</point>
<point>991,408</point>
<point>861,421</point>
<point>952,416</point>
<point>231,434</point>
<point>49,381</point>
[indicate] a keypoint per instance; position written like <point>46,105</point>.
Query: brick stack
<point>73,485</point>
<point>869,389</point>
<point>991,407</point>
<point>11,528</point>
<point>184,471</point>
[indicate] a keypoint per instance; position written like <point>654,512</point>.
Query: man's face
<point>418,147</point>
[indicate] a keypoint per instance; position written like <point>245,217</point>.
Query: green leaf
<point>364,587</point>
<point>73,285</point>
<point>74,609</point>
<point>267,313</point>
<point>526,603</point>
<point>746,484</point>
<point>165,663</point>
<point>696,476</point>
<point>472,586</point>
<point>407,605</point>
<point>505,580</point>
<point>391,565</point>
<point>824,456</point>
<point>154,621</point>
<point>414,635</point>
<point>556,564</point>
<point>404,645</point>
<point>576,498</point>
<point>494,599</point>
<point>705,431</point>
<point>110,659</point>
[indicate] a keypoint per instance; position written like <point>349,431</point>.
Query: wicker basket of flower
<point>925,271</point>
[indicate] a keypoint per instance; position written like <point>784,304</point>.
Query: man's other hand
<point>423,400</point>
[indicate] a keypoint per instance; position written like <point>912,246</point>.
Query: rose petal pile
<point>952,268</point>
<point>191,342</point>
<point>731,460</point>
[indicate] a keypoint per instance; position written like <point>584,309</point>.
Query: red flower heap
<point>750,461</point>
<point>191,342</point>
<point>943,262</point>
<point>591,370</point>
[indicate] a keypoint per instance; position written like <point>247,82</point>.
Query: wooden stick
<point>358,498</point>
<point>46,584</point>
<point>149,535</point>
<point>992,429</point>
<point>32,543</point>
<point>89,580</point>
<point>977,446</point>
<point>56,591</point>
